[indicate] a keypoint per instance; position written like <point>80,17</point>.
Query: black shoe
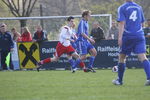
<point>39,65</point>
<point>92,70</point>
<point>74,70</point>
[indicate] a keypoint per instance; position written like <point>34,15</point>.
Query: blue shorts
<point>83,47</point>
<point>135,44</point>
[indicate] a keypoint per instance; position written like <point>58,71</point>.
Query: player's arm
<point>70,39</point>
<point>74,37</point>
<point>88,38</point>
<point>121,30</point>
<point>121,23</point>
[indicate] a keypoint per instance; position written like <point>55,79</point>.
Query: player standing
<point>64,46</point>
<point>131,38</point>
<point>84,42</point>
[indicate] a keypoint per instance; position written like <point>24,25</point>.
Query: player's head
<point>148,22</point>
<point>86,14</point>
<point>70,21</point>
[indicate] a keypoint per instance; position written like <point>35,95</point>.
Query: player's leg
<point>45,61</point>
<point>72,63</point>
<point>59,51</point>
<point>93,54</point>
<point>126,49</point>
<point>79,61</point>
<point>140,49</point>
<point>146,65</point>
<point>82,50</point>
<point>121,69</point>
<point>83,56</point>
<point>48,60</point>
<point>70,59</point>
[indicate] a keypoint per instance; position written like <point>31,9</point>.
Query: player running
<point>84,42</point>
<point>131,38</point>
<point>64,46</point>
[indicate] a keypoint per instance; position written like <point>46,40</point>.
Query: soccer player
<point>64,46</point>
<point>84,42</point>
<point>131,38</point>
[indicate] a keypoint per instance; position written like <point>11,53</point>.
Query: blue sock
<point>146,65</point>
<point>92,58</point>
<point>72,63</point>
<point>121,70</point>
<point>77,62</point>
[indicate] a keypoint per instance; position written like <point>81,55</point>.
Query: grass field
<point>63,85</point>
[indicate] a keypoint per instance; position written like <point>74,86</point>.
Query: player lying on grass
<point>64,47</point>
<point>131,38</point>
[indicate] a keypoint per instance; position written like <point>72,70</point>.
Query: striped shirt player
<point>64,47</point>
<point>131,38</point>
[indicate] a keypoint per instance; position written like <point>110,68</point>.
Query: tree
<point>145,5</point>
<point>20,8</point>
<point>58,8</point>
<point>111,6</point>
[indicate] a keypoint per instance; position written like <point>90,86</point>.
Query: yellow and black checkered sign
<point>147,50</point>
<point>28,54</point>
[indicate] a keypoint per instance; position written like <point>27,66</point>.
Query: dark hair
<point>148,19</point>
<point>69,18</point>
<point>85,13</point>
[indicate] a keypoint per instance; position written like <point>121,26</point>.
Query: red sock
<point>47,60</point>
<point>82,65</point>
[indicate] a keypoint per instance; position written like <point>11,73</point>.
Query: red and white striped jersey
<point>66,34</point>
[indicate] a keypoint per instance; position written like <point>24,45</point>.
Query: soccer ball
<point>115,69</point>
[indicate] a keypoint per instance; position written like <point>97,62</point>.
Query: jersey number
<point>133,16</point>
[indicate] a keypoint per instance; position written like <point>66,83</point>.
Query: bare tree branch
<point>15,8</point>
<point>23,7</point>
<point>11,8</point>
<point>31,8</point>
<point>28,7</point>
<point>13,4</point>
<point>10,4</point>
<point>18,6</point>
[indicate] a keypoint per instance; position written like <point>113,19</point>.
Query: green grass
<point>63,85</point>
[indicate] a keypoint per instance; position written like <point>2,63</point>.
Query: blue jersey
<point>132,14</point>
<point>83,27</point>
